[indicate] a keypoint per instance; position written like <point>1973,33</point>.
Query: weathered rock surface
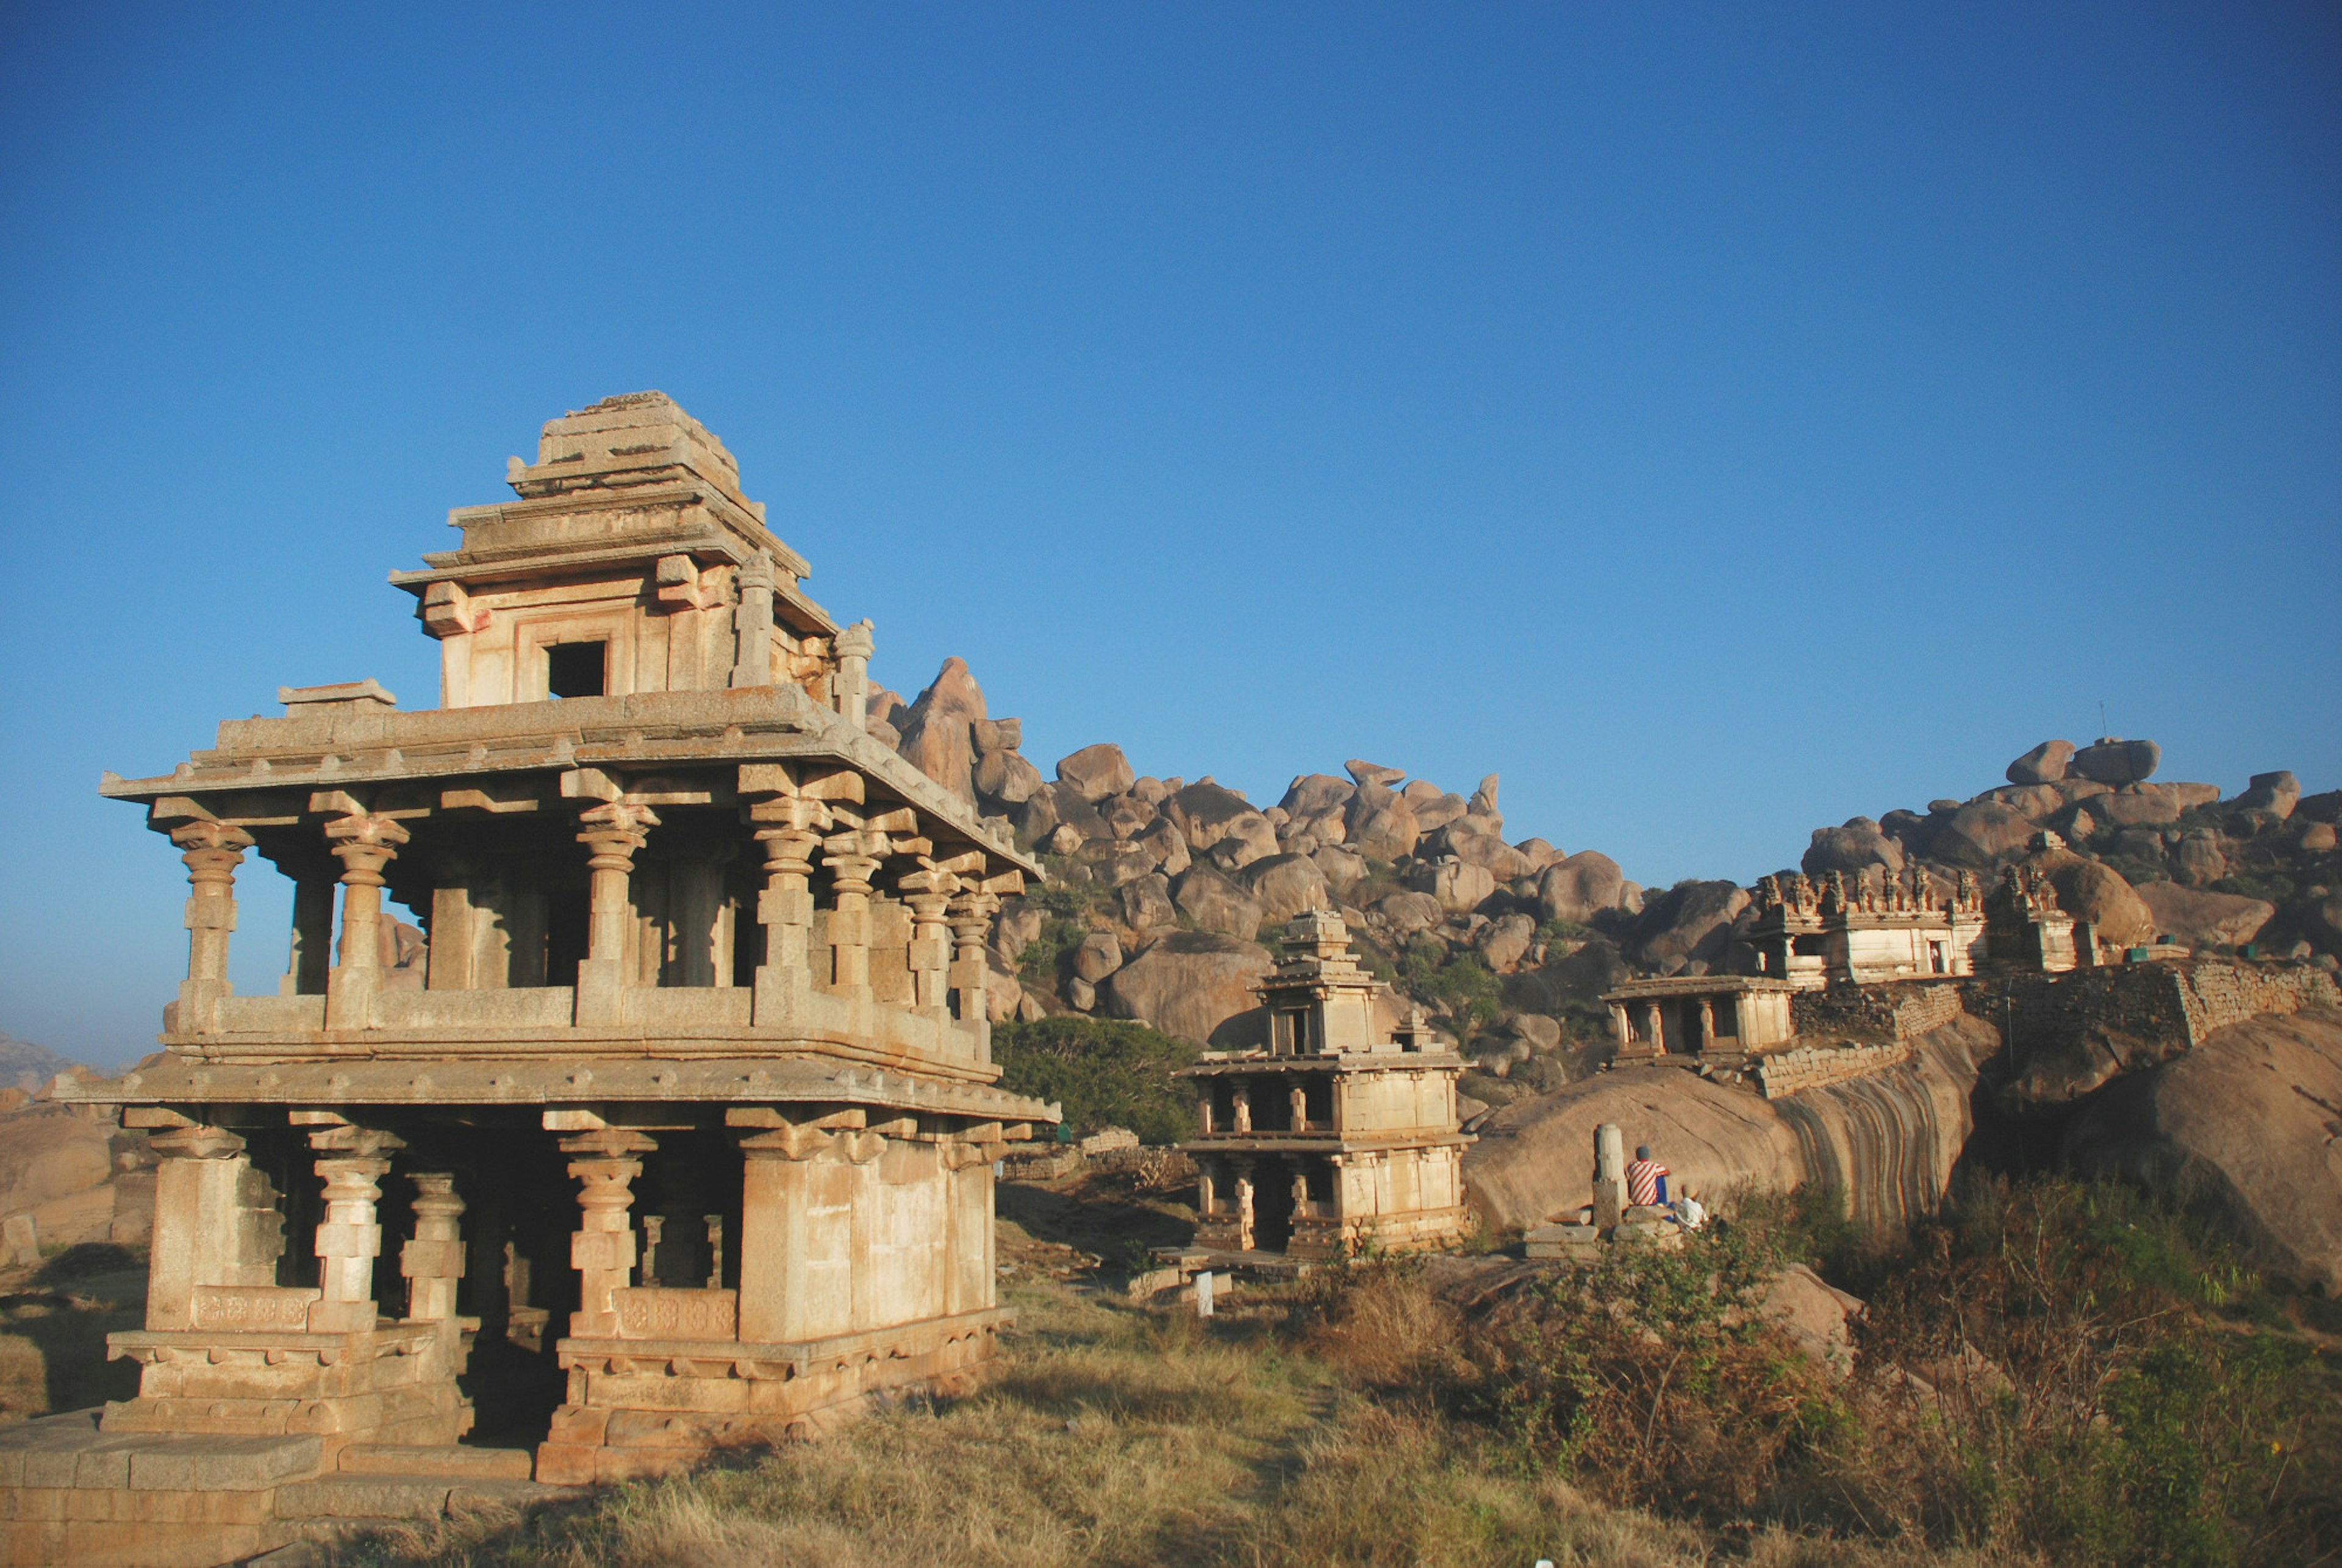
<point>1147,903</point>
<point>1580,887</point>
<point>1382,825</point>
<point>2246,1128</point>
<point>1213,901</point>
<point>1504,941</point>
<point>1692,921</point>
<point>1410,912</point>
<point>1459,886</point>
<point>2278,794</point>
<point>2118,761</point>
<point>2044,763</point>
<point>2197,917</point>
<point>1284,885</point>
<point>2137,805</point>
<point>937,730</point>
<point>1373,774</point>
<point>1206,812</point>
<point>1886,1142</point>
<point>1097,956</point>
<point>1191,983</point>
<point>1852,849</point>
<point>1096,772</point>
<point>1008,777</point>
<point>1313,794</point>
<point>1981,835</point>
<point>2096,892</point>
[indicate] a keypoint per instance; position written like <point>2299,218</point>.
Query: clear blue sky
<point>1720,423</point>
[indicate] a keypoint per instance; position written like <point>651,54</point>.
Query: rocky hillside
<point>1161,887</point>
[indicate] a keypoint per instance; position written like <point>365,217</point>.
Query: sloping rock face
<point>1886,1142</point>
<point>1534,1159</point>
<point>939,737</point>
<point>2196,916</point>
<point>2245,1129</point>
<point>1889,1142</point>
<point>1190,984</point>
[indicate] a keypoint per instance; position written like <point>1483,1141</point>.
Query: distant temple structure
<point>1905,926</point>
<point>1331,1137</point>
<point>705,975</point>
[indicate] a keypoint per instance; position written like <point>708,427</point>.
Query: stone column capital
<point>197,1142</point>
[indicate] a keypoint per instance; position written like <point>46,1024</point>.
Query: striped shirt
<point>1642,1178</point>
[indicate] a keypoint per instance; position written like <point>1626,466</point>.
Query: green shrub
<point>1105,1073</point>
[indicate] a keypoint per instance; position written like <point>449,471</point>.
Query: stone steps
<point>447,1462</point>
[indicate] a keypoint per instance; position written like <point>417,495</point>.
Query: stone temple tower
<point>686,1115</point>
<point>1340,1134</point>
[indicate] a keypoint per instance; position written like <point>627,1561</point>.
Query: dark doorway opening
<point>576,669</point>
<point>1272,1206</point>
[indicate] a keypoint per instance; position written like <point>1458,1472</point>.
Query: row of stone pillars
<point>1240,1116</point>
<point>951,916</point>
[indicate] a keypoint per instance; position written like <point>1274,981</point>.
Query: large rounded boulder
<point>1195,984</point>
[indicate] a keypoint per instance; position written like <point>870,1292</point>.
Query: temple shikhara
<point>1337,1134</point>
<point>681,1130</point>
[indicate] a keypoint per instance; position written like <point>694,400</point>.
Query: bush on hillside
<point>1105,1073</point>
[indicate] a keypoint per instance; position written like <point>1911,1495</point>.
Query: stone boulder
<point>1016,927</point>
<point>1215,904</point>
<point>2092,891</point>
<point>1505,941</point>
<point>2243,1129</point>
<point>1692,921</point>
<point>2200,861</point>
<point>49,1153</point>
<point>1381,825</point>
<point>1147,903</point>
<point>1471,843</point>
<point>1344,867</point>
<point>2112,761</point>
<point>1459,886</point>
<point>1191,984</point>
<point>1981,835</point>
<point>1206,812</point>
<point>1036,818</point>
<point>1004,994</point>
<point>1096,772</point>
<point>993,736</point>
<point>1284,885</point>
<point>1076,812</point>
<point>1115,862</point>
<point>939,737</point>
<point>1484,799</point>
<point>2044,763</point>
<point>1008,777</point>
<point>1373,775</point>
<point>1126,816</point>
<point>1409,913</point>
<point>2137,805</point>
<point>1852,849</point>
<point>1250,837</point>
<point>2278,794</point>
<point>1433,808</point>
<point>2199,918</point>
<point>1314,795</point>
<point>1540,854</point>
<point>1543,1034</point>
<point>1097,956</point>
<point>1165,846</point>
<point>1580,887</point>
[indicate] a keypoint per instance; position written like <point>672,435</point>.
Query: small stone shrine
<point>1836,932</point>
<point>705,976</point>
<point>1330,1138</point>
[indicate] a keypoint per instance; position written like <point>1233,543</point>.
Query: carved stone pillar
<point>1204,1109</point>
<point>797,1262</point>
<point>784,909</point>
<point>697,907</point>
<point>433,1261</point>
<point>1299,1098</point>
<point>752,623</point>
<point>1244,1208</point>
<point>615,833</point>
<point>1207,1190</point>
<point>1654,1028</point>
<point>364,844</point>
<point>971,921</point>
<point>854,646</point>
<point>603,1249</point>
<point>212,852</point>
<point>851,864</point>
<point>1706,1025</point>
<point>309,965</point>
<point>215,1223</point>
<point>352,1161</point>
<point>970,1281</point>
<point>927,892</point>
<point>1243,1097</point>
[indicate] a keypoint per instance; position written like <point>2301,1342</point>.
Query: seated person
<point>1647,1179</point>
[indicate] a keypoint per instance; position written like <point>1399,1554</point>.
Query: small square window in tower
<point>576,669</point>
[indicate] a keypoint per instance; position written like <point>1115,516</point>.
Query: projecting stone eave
<point>373,745</point>
<point>1222,1063</point>
<point>183,1080</point>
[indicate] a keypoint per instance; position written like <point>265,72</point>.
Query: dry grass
<point>54,1320</point>
<point>1117,1437</point>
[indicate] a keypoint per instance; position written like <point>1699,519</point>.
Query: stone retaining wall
<point>1875,1015</point>
<point>1803,1067</point>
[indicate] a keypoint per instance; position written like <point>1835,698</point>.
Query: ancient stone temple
<point>1892,926</point>
<point>1333,1136</point>
<point>681,1133</point>
<point>1718,1020</point>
